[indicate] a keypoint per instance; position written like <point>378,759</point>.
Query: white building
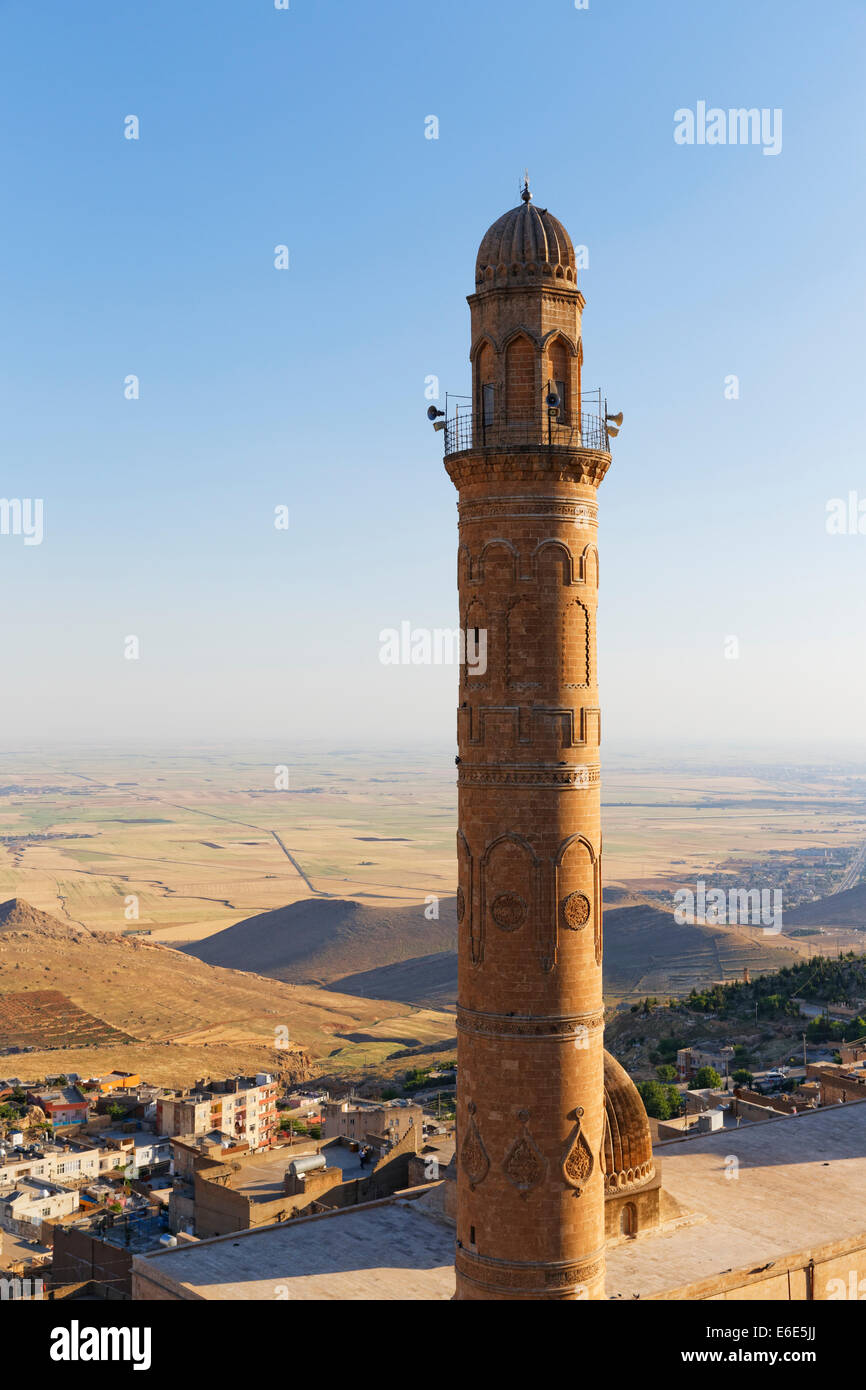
<point>139,1150</point>
<point>33,1200</point>
<point>70,1162</point>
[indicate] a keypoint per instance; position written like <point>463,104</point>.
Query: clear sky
<point>305,387</point>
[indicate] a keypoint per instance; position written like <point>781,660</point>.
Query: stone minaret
<point>527,463</point>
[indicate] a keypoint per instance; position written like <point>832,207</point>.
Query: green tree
<point>657,1099</point>
<point>705,1076</point>
<point>667,1072</point>
<point>743,1077</point>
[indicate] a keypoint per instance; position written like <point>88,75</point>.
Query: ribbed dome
<point>628,1150</point>
<point>525,244</point>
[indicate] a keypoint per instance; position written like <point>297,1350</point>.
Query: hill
<point>368,952</point>
<point>430,980</point>
<point>18,916</point>
<point>90,1001</point>
<point>321,940</point>
<point>846,909</point>
<point>647,952</point>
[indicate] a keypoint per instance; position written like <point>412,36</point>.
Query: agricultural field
<point>46,1018</point>
<point>194,842</point>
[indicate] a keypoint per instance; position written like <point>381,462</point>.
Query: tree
<point>657,1099</point>
<point>667,1072</point>
<point>705,1077</point>
<point>743,1077</point>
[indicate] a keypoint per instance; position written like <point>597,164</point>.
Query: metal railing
<point>468,430</point>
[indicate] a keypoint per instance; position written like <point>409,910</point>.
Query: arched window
<point>628,1220</point>
<point>486,397</point>
<point>559,362</point>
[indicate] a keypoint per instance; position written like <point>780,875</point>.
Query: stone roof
<point>628,1150</point>
<point>526,245</point>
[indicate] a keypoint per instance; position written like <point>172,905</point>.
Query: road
<point>853,872</point>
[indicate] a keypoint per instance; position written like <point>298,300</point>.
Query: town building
<point>36,1200</point>
<point>837,1084</point>
<point>142,1152</point>
<point>691,1059</point>
<point>853,1053</point>
<point>114,1081</point>
<point>135,1102</point>
<point>70,1161</point>
<point>63,1105</point>
<point>243,1107</point>
<point>215,1192</point>
<point>364,1121</point>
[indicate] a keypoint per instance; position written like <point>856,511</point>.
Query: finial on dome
<point>526,196</point>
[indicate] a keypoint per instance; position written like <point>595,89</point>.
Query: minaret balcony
<point>469,430</point>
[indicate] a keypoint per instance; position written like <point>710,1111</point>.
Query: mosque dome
<point>628,1150</point>
<point>526,245</point>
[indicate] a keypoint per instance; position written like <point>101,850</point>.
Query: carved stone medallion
<point>508,911</point>
<point>575,911</point>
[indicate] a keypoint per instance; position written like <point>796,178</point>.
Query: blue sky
<point>305,387</point>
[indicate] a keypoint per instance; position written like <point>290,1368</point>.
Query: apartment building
<point>242,1107</point>
<point>69,1162</point>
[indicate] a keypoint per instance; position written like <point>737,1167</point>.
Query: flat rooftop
<point>390,1251</point>
<point>801,1183</point>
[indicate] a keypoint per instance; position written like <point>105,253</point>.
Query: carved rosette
<point>508,911</point>
<point>578,1162</point>
<point>473,1155</point>
<point>575,911</point>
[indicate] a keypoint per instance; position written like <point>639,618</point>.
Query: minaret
<point>527,461</point>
